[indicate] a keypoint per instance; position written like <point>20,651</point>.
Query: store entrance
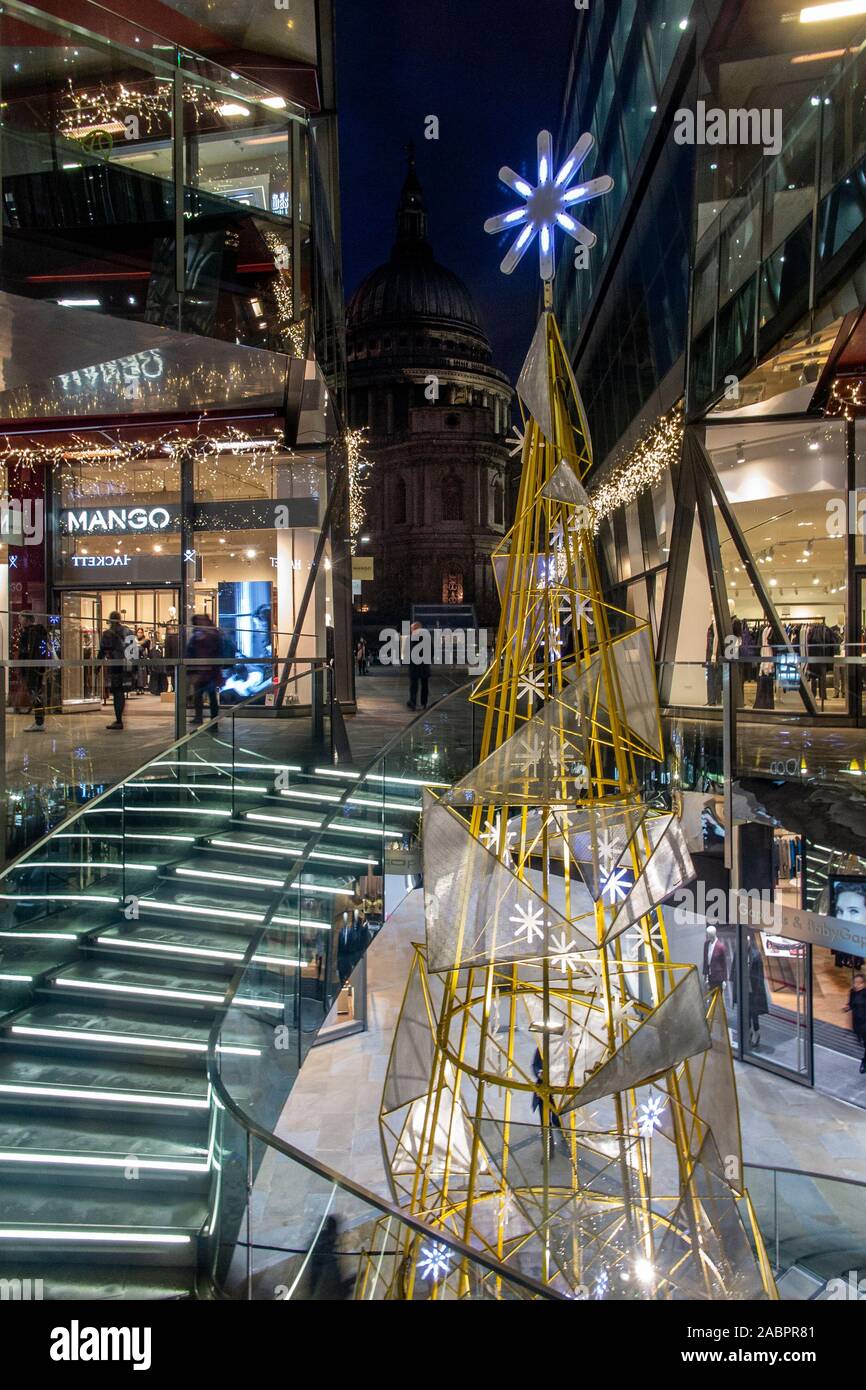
<point>152,614</point>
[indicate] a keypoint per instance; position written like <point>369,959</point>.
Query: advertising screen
<point>244,614</point>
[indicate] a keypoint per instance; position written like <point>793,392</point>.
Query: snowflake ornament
<point>529,686</point>
<point>649,1116</point>
<point>547,205</point>
<point>615,886</point>
<point>584,611</point>
<point>608,852</point>
<point>490,837</point>
<point>434,1261</point>
<point>529,922</point>
<point>602,1284</point>
<point>516,438</point>
<point>564,954</point>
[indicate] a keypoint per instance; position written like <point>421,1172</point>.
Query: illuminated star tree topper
<point>548,205</point>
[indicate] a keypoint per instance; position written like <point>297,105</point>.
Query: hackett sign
<point>117,520</point>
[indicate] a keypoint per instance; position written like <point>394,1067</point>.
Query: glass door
<point>775,1003</point>
<point>80,627</point>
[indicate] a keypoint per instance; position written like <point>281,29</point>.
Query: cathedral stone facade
<point>436,412</point>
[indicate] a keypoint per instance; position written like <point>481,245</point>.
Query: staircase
<point>119,937</point>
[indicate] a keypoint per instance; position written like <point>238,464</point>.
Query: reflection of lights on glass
<point>157,549</point>
<point>250,554</point>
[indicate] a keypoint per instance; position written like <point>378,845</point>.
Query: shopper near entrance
<point>33,646</point>
<point>206,641</point>
<point>116,647</point>
<point>856,1007</point>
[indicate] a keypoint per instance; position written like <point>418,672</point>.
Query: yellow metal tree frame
<point>559,1092</point>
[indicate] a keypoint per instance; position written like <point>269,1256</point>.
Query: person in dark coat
<point>33,646</point>
<point>759,1002</point>
<point>112,648</point>
<point>206,641</point>
<point>856,1007</point>
<point>419,671</point>
<point>325,1278</point>
<point>553,1119</point>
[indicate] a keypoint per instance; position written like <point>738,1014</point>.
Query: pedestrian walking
<point>205,642</point>
<point>33,646</point>
<point>116,647</point>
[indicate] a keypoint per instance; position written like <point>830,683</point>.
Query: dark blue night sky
<point>494,74</point>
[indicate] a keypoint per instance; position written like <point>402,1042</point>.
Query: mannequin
<point>715,960</point>
<point>759,1002</point>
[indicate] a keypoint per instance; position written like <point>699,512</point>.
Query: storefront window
<point>782,482</point>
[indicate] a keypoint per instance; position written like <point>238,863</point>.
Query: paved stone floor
<point>49,774</point>
<point>333,1109</point>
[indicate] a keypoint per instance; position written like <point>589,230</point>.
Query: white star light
<point>547,204</point>
<point>649,1116</point>
<point>530,922</point>
<point>434,1261</point>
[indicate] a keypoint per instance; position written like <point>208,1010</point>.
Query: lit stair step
<point>98,1149</point>
<point>72,1029</point>
<point>221,950</point>
<point>33,1081</point>
<point>81,1224</point>
<point>155,988</point>
<point>50,1282</point>
<point>255,848</point>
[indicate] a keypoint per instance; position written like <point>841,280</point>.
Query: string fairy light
<point>847,397</point>
<point>252,453</point>
<point>641,468</point>
<point>358,468</point>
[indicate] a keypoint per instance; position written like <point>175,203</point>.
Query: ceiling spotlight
<point>837,9</point>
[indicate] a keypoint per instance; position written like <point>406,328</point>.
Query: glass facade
<point>727,283</point>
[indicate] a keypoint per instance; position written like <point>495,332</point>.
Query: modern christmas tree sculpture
<point>560,1094</point>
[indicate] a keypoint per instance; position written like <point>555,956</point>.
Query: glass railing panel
<point>789,183</point>
<point>785,275</point>
<point>842,213</point>
<point>302,1235</point>
<point>735,337</point>
<point>844,123</point>
<point>815,1223</point>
